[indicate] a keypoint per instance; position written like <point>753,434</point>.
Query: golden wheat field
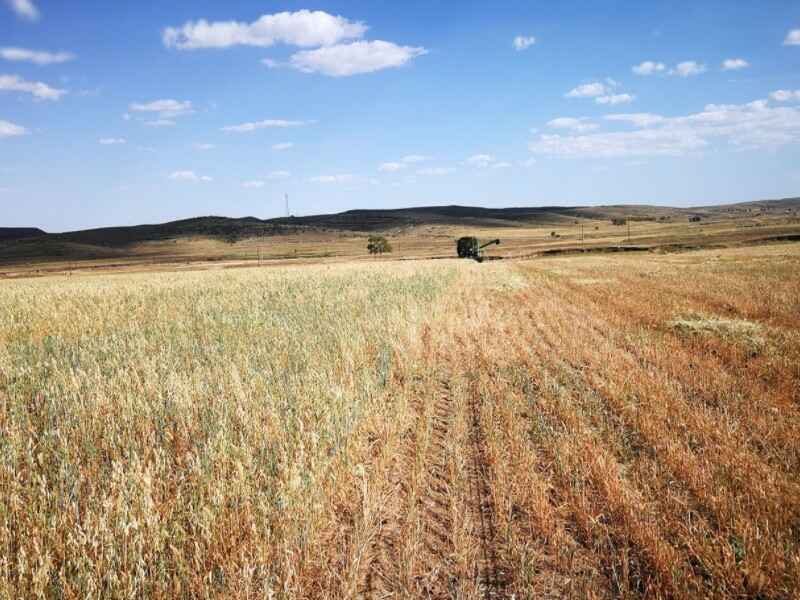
<point>604,426</point>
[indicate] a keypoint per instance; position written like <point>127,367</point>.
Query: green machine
<point>469,247</point>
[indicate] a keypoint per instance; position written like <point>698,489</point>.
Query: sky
<point>120,113</point>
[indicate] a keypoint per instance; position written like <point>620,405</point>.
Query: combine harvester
<point>468,247</point>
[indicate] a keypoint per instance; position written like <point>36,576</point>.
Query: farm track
<point>417,526</point>
<point>422,500</point>
<point>491,577</point>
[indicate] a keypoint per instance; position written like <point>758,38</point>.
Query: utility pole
<point>629,230</point>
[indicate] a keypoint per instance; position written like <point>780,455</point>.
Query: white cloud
<point>785,95</point>
<point>615,99</point>
<point>341,178</point>
<point>204,146</point>
<point>588,90</point>
<point>415,158</point>
<point>279,175</point>
<point>160,123</point>
<point>617,144</point>
<point>9,129</point>
<point>253,184</point>
<point>577,125</point>
<point>189,176</point>
<point>480,160</point>
<point>734,64</point>
<point>166,109</point>
<point>528,162</point>
<point>688,68</point>
<point>302,28</point>
<point>637,119</point>
<point>648,67</point>
<point>39,90</point>
<point>126,117</point>
<point>265,124</point>
<point>282,146</point>
<point>111,141</point>
<point>501,165</point>
<point>792,38</point>
<point>271,63</point>
<point>745,126</point>
<point>38,57</point>
<point>25,9</point>
<point>392,167</point>
<point>344,60</point>
<point>522,42</point>
<point>435,171</point>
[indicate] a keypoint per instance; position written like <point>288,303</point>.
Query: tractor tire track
<point>492,578</point>
<point>428,487</point>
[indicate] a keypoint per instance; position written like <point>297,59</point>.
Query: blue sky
<point>124,113</point>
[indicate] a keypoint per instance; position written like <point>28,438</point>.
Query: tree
<point>377,244</point>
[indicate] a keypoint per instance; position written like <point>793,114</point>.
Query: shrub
<point>377,244</point>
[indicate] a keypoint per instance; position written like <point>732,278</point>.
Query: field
<point>587,426</point>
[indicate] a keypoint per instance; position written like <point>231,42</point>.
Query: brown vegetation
<point>597,426</point>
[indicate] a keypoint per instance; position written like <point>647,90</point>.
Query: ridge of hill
<point>8,234</point>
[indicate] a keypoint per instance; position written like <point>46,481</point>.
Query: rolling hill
<point>18,245</point>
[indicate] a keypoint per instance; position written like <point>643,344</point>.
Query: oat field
<point>604,426</point>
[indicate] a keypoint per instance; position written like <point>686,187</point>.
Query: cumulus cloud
<point>785,95</point>
<point>344,60</point>
<point>166,108</point>
<point>189,176</point>
<point>415,158</point>
<point>588,90</point>
<point>9,129</point>
<point>25,9</point>
<point>160,123</point>
<point>746,126</point>
<point>340,178</point>
<point>279,175</point>
<point>580,125</point>
<point>37,57</point>
<point>615,99</point>
<point>648,67</point>
<point>392,167</point>
<point>265,124</point>
<point>282,146</point>
<point>111,141</point>
<point>792,38</point>
<point>303,28</point>
<point>480,160</point>
<point>522,42</point>
<point>688,68</point>
<point>435,171</point>
<point>637,119</point>
<point>253,184</point>
<point>734,64</point>
<point>39,90</point>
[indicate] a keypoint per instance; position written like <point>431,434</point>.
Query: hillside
<point>214,237</point>
<point>8,234</point>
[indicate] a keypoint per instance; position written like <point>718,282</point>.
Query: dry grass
<point>575,427</point>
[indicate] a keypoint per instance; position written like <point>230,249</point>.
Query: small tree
<point>377,244</point>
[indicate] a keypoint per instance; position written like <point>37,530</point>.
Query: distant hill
<point>19,244</point>
<point>19,233</point>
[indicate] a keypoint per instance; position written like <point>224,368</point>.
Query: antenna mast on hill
<point>286,198</point>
